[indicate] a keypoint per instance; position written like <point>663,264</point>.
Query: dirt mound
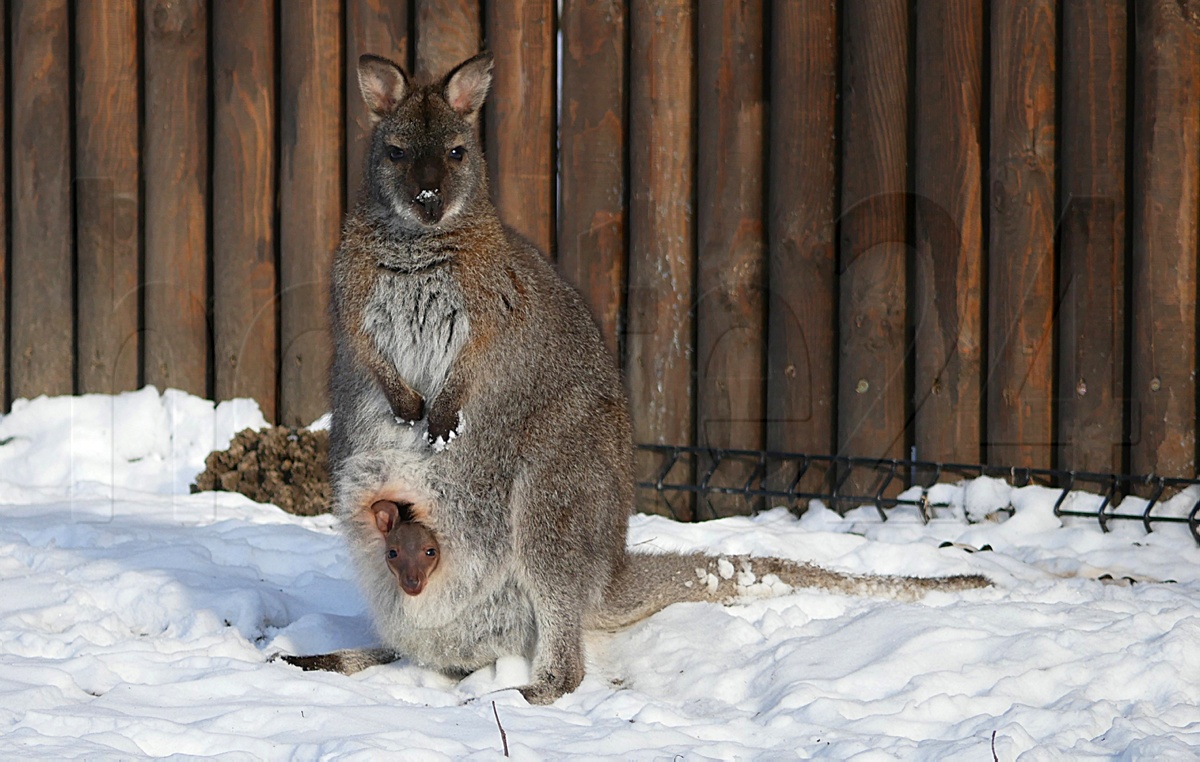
<point>285,466</point>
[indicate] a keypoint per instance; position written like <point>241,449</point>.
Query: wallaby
<point>443,315</point>
<point>412,549</point>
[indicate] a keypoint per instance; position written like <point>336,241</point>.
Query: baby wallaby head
<point>412,552</point>
<point>425,163</point>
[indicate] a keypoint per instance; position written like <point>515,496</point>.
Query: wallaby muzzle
<point>430,203</point>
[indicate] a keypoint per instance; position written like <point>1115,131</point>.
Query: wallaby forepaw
<point>409,409</point>
<point>443,430</point>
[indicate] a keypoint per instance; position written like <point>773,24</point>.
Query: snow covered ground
<point>138,620</point>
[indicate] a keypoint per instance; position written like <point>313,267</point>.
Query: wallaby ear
<point>386,515</point>
<point>383,85</point>
<point>467,85</point>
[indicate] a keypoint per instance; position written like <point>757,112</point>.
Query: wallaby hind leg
<point>565,548</point>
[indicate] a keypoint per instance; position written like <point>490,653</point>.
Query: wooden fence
<point>964,230</point>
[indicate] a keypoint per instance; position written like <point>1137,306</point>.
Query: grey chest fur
<point>419,323</point>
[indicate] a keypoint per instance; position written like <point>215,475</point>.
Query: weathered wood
<point>244,278</point>
<point>948,274</point>
<point>872,379</point>
<point>42,306</point>
<point>1092,356</point>
<point>447,32</point>
<point>372,26</point>
<point>310,200</point>
<point>731,309</point>
<point>175,163</point>
<point>662,152</point>
<point>1021,208</point>
<point>520,117</point>
<point>591,228</point>
<point>4,227</point>
<point>801,228</point>
<point>1165,215</point>
<point>106,195</point>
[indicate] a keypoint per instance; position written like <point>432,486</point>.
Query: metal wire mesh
<point>843,482</point>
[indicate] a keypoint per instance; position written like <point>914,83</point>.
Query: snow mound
<point>138,620</point>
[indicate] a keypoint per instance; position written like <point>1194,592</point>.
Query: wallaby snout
<point>429,201</point>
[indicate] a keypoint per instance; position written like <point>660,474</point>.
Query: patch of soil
<point>281,465</point>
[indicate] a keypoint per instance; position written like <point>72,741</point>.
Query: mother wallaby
<point>471,386</point>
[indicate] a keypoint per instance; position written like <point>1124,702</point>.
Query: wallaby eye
<point>392,553</point>
<point>430,552</point>
<point>396,153</point>
<point>458,153</point>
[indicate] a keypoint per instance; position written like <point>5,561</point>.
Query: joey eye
<point>392,553</point>
<point>458,153</point>
<point>430,552</point>
<point>396,153</point>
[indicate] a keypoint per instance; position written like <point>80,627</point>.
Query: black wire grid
<point>844,482</point>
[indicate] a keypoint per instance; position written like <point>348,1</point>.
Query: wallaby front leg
<point>445,413</point>
<point>407,405</point>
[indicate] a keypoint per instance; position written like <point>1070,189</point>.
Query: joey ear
<point>467,85</point>
<point>386,515</point>
<point>383,84</point>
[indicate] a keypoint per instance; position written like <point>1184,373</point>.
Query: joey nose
<point>412,585</point>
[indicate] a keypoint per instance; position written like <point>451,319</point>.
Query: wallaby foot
<point>548,688</point>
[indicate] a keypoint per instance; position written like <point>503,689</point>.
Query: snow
<point>138,620</point>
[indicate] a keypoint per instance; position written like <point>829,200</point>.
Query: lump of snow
<point>724,568</point>
<point>984,496</point>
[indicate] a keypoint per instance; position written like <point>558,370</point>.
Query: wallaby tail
<point>648,582</point>
<point>347,662</point>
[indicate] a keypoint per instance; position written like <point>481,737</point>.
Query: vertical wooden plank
<point>1165,214</point>
<point>1021,208</point>
<point>802,265</point>
<point>520,117</point>
<point>591,229</point>
<point>244,279</point>
<point>106,194</point>
<point>310,197</point>
<point>175,162</point>
<point>948,274</point>
<point>874,232</point>
<point>662,152</point>
<point>43,340</point>
<point>1092,360</point>
<point>447,32</point>
<point>372,26</point>
<point>730,311</point>
<point>5,294</point>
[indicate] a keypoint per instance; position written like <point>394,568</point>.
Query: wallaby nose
<point>430,200</point>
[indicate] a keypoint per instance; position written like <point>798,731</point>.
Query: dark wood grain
<point>872,392</point>
<point>520,117</point>
<point>175,163</point>
<point>106,194</point>
<point>5,308</point>
<point>591,228</point>
<point>947,282</point>
<point>802,226</point>
<point>1021,209</point>
<point>244,237</point>
<point>662,154</point>
<point>1165,214</point>
<point>1092,285</point>
<point>310,200</point>
<point>731,309</point>
<point>42,302</point>
<point>372,26</point>
<point>447,32</point>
